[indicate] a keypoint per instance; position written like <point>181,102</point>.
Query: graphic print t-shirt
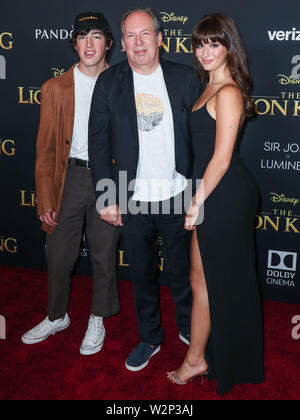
<point>157,178</point>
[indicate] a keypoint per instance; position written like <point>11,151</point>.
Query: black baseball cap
<point>91,20</point>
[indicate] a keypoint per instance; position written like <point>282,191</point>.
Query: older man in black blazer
<point>139,124</point>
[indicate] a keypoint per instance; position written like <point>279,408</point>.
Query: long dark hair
<point>221,28</point>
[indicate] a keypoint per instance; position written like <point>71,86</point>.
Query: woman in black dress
<point>227,323</point>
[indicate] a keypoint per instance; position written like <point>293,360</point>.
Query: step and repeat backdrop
<point>34,46</point>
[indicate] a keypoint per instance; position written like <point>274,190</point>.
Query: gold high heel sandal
<point>173,377</point>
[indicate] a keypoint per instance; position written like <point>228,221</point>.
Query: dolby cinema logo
<point>282,267</point>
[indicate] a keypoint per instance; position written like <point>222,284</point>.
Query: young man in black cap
<point>65,194</point>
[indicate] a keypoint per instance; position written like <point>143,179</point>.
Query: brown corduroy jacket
<point>54,143</point>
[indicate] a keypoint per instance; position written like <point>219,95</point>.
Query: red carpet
<point>55,370</point>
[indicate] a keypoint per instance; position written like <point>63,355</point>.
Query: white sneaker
<point>46,328</point>
<point>94,337</point>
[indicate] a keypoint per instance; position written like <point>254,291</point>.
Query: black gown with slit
<point>235,351</point>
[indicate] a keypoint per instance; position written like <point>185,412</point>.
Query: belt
<point>79,162</point>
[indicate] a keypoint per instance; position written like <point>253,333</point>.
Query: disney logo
<point>281,198</point>
<point>171,17</point>
<point>285,80</point>
<point>57,72</point>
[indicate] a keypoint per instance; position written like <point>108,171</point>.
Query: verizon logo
<point>292,35</point>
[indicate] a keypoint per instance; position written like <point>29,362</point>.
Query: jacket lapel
<point>68,98</point>
<point>174,96</point>
<point>127,101</point>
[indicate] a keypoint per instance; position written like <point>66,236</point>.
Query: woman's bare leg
<point>195,362</point>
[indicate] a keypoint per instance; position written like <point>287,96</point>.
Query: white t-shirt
<point>84,88</point>
<point>157,178</point>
